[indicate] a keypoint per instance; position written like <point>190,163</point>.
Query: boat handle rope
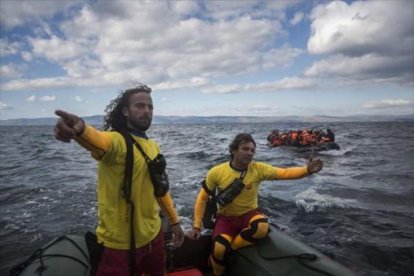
<point>300,258</point>
<point>43,267</point>
<point>39,254</point>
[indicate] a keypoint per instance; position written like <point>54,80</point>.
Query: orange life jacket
<point>278,141</point>
<point>293,136</point>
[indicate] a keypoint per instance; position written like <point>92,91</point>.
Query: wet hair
<point>238,140</point>
<point>114,118</point>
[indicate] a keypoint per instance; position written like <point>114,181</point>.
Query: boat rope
<point>302,258</point>
<point>40,254</point>
<point>43,267</point>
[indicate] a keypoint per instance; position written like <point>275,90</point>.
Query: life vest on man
<point>293,137</point>
<point>274,134</point>
<point>277,141</point>
<point>306,138</point>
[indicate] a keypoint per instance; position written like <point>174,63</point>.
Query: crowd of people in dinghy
<point>300,138</point>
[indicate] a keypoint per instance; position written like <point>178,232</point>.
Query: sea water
<point>358,210</point>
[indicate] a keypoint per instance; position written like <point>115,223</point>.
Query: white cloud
<point>4,106</point>
<point>259,109</point>
<point>56,49</point>
<point>184,7</point>
<point>48,98</point>
<point>223,10</point>
<point>9,71</point>
<point>362,27</point>
<point>368,40</point>
<point>263,110</point>
<point>389,103</point>
<point>15,13</point>
<point>297,18</point>
<point>8,48</point>
<point>224,88</point>
<point>31,98</point>
<point>58,82</point>
<point>106,43</point>
<point>371,68</point>
<point>78,99</point>
<point>280,85</point>
<point>181,83</point>
<point>27,56</point>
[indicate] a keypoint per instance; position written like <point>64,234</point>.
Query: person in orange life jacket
<point>239,221</point>
<point>296,137</point>
<point>284,137</point>
<point>311,137</point>
<point>306,138</point>
<point>330,135</point>
<point>293,138</point>
<point>279,140</point>
<point>130,112</point>
<point>273,135</point>
<point>316,135</point>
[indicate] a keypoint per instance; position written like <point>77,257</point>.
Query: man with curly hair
<point>239,221</point>
<point>131,112</point>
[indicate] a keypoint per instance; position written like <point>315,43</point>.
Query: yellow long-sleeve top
<point>109,148</point>
<point>223,175</point>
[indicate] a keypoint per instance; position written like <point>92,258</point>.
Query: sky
<point>208,58</point>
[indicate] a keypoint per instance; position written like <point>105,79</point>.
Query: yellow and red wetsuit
<point>242,206</point>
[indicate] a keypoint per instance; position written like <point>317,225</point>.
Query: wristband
<point>83,130</point>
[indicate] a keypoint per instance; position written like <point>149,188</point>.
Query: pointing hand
<point>68,127</point>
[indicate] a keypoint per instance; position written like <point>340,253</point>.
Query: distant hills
<point>98,119</point>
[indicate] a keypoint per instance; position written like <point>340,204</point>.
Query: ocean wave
<point>310,201</point>
<point>343,151</point>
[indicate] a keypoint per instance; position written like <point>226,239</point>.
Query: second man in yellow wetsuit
<point>239,222</point>
<point>130,112</point>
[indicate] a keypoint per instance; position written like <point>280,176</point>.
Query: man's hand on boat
<point>314,165</point>
<point>69,126</point>
<point>178,235</point>
<point>193,234</point>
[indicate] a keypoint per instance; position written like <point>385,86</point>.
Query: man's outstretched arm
<point>70,126</point>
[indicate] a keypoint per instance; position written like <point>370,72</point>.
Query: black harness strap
<point>147,159</point>
<point>210,193</point>
<point>243,174</point>
<point>126,193</point>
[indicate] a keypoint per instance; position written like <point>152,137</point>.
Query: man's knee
<point>221,248</point>
<point>258,229</point>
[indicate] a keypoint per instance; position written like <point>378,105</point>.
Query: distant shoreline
<point>98,119</point>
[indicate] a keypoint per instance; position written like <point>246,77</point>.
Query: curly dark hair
<point>238,140</point>
<point>114,118</point>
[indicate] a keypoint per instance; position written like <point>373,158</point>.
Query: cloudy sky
<point>208,58</point>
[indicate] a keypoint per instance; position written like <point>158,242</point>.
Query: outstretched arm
<point>70,126</point>
<point>313,166</point>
